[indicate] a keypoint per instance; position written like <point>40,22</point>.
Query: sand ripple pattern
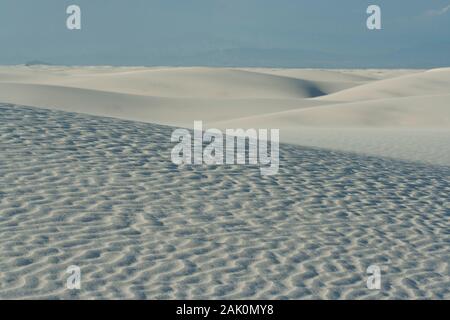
<point>103,194</point>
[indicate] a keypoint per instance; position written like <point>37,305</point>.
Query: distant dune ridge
<point>341,109</point>
<point>86,179</point>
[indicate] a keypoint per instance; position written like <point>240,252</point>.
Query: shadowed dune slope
<point>153,109</point>
<point>432,82</point>
<point>430,111</point>
<point>182,82</point>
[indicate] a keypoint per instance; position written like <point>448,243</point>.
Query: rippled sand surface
<point>103,194</point>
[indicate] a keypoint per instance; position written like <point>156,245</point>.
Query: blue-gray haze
<point>279,33</point>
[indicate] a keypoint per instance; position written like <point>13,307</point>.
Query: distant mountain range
<point>37,63</point>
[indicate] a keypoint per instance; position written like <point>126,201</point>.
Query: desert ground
<point>86,179</point>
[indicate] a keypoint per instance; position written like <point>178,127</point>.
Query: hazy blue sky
<point>289,33</point>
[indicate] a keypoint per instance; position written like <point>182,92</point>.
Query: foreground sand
<point>103,194</point>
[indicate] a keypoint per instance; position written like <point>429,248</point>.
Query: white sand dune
<point>311,107</point>
<point>336,75</point>
<point>154,109</point>
<point>183,82</point>
<point>103,194</point>
<point>409,112</point>
<point>416,84</point>
<point>364,179</point>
